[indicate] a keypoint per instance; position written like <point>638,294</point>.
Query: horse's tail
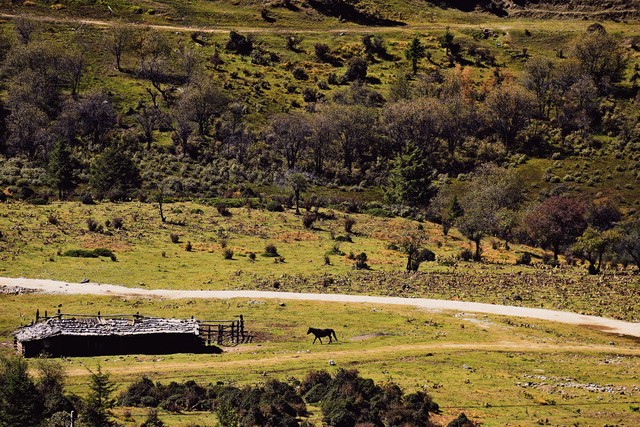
<point>334,334</point>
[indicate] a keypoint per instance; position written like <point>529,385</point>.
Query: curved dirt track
<point>601,323</point>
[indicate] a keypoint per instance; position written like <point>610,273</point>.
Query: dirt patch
<point>94,241</point>
<point>367,336</point>
<point>297,236</point>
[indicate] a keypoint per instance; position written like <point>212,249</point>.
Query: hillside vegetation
<point>485,151</point>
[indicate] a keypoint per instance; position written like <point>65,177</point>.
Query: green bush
<point>80,253</point>
<point>308,219</point>
<point>270,250</point>
<point>273,206</point>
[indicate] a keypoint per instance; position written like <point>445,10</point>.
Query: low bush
<point>466,255</point>
<point>52,219</point>
<point>174,238</point>
<point>348,224</point>
<point>39,201</point>
<point>93,225</point>
<point>87,200</point>
<point>103,252</point>
<point>188,247</point>
<point>223,210</point>
<point>308,219</point>
<point>227,253</point>
<point>117,223</point>
<point>273,206</point>
<point>361,261</point>
<point>87,253</point>
<point>270,250</point>
<point>80,253</point>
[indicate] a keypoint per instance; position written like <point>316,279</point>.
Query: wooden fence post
<point>233,332</point>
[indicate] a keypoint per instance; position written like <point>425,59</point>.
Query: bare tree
<point>289,135</point>
<point>119,40</point>
<point>601,56</point>
<point>508,109</point>
<point>203,100</point>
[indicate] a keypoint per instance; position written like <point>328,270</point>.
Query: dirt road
<point>601,323</point>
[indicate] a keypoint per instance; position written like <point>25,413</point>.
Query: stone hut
<point>93,336</point>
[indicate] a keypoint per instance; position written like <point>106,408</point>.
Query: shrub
<point>239,43</point>
<point>270,250</point>
<point>223,243</point>
<point>117,223</point>
<point>80,253</point>
<point>308,219</point>
<point>39,201</point>
<point>466,255</point>
<point>348,224</point>
<point>175,238</point>
<point>322,51</point>
<point>273,206</point>
<point>103,252</point>
<point>309,94</point>
<point>252,256</point>
<point>52,219</point>
<point>153,420</point>
<point>335,250</point>
<point>524,259</point>
<point>188,247</point>
<point>300,74</point>
<point>361,261</point>
<point>223,209</point>
<point>327,260</point>
<point>227,253</point>
<point>356,69</point>
<point>93,225</point>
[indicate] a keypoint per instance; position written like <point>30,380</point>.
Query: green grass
<point>467,362</point>
<point>146,257</point>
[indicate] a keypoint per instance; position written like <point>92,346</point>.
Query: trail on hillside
<point>255,30</point>
<point>603,324</point>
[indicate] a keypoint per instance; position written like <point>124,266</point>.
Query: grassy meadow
<point>471,363</point>
<point>499,371</point>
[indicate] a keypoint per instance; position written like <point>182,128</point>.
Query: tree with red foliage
<point>556,223</point>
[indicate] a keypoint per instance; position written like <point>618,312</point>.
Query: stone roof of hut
<point>99,326</point>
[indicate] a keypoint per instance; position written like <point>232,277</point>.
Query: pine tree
<point>113,172</point>
<point>411,179</point>
<point>98,403</point>
<point>415,52</point>
<point>20,403</point>
<point>61,169</point>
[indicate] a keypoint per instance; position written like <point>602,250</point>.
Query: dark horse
<point>320,333</point>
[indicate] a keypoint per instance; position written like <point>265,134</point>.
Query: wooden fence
<point>224,332</point>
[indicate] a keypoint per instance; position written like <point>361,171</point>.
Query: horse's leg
<point>315,338</point>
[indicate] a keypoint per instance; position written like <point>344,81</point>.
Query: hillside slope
<point>545,9</point>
